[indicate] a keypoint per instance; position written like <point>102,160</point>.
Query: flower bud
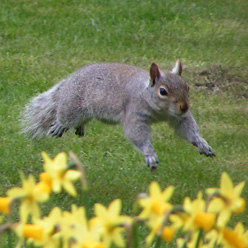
<point>205,220</point>
<point>168,233</point>
<point>5,204</point>
<point>33,231</point>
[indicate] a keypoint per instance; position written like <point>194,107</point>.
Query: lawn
<point>41,42</point>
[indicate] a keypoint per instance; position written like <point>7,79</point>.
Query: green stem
<point>9,238</point>
<point>158,242</point>
<point>199,238</point>
<point>132,235</point>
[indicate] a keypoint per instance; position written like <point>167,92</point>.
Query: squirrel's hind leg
<point>57,130</point>
<point>80,131</point>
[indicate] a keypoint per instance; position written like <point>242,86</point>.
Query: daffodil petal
<point>150,238</point>
<point>176,221</point>
<point>47,160</point>
<point>16,192</point>
<point>226,185</point>
<point>35,212</point>
<point>72,175</point>
<point>55,213</point>
<point>224,217</point>
<point>167,193</point>
<point>115,207</point>
<point>216,205</point>
<point>144,202</point>
<point>100,210</point>
<point>239,228</point>
<point>154,189</point>
<point>117,238</point>
<point>56,185</point>
<point>211,191</point>
<point>238,189</point>
<point>187,205</point>
<point>61,160</point>
<point>24,211</point>
<point>30,181</point>
<point>45,157</point>
<point>107,240</point>
<point>69,188</point>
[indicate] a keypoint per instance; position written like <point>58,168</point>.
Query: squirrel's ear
<point>178,68</point>
<point>154,74</point>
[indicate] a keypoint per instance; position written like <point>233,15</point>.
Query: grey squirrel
<point>116,93</point>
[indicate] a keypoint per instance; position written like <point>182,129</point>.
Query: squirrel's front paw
<point>151,161</point>
<point>208,152</point>
<point>204,148</point>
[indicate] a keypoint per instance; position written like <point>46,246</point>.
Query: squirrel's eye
<point>163,92</point>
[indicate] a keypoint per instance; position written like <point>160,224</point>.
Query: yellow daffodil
<point>157,201</point>
<point>237,238</point>
<point>88,233</point>
<point>33,231</point>
<point>75,227</point>
<point>49,225</point>
<point>41,233</point>
<point>27,231</point>
<point>58,175</point>
<point>30,196</point>
<point>229,238</point>
<point>191,242</point>
<point>156,225</point>
<point>194,216</point>
<point>5,204</point>
<point>227,199</point>
<point>111,221</point>
<point>45,182</point>
<point>168,233</point>
<point>73,223</point>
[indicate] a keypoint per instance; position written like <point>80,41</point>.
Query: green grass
<point>43,41</point>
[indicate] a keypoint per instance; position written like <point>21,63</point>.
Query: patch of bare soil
<point>217,79</point>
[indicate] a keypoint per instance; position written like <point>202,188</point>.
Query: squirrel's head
<point>170,90</point>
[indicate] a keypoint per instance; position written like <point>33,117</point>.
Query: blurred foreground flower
<point>158,227</point>
<point>30,196</point>
<point>42,232</point>
<point>5,204</point>
<point>58,175</point>
<point>86,233</point>
<point>197,215</point>
<point>226,200</point>
<point>203,223</point>
<point>155,208</point>
<point>229,238</point>
<point>157,201</point>
<point>111,222</point>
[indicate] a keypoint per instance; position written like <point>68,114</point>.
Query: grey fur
<point>116,93</point>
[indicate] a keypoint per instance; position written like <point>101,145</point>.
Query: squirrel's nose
<point>184,107</point>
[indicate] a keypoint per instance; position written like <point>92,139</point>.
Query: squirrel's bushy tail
<point>40,113</point>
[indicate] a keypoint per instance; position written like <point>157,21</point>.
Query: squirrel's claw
<point>80,131</point>
<point>209,154</point>
<point>57,130</point>
<point>152,161</point>
<point>204,148</point>
<point>207,151</point>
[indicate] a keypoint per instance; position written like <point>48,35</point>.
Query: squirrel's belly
<point>110,117</point>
